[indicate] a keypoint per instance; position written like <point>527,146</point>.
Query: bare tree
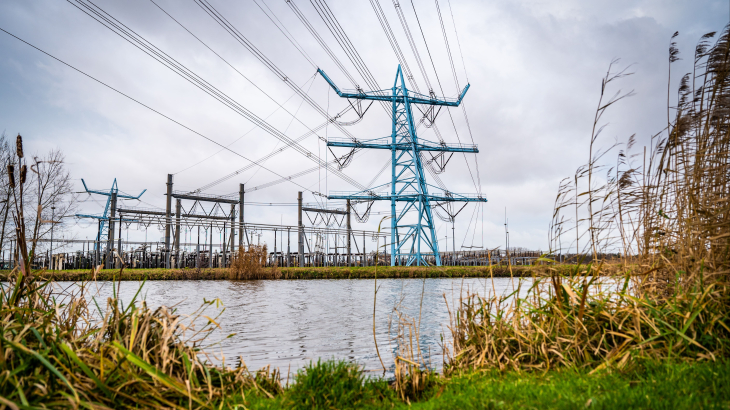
<point>51,192</point>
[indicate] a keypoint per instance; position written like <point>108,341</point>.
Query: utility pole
<point>110,239</point>
<point>453,237</point>
<point>241,192</point>
<point>119,247</point>
<point>53,209</point>
<point>168,220</point>
<point>349,234</point>
<point>506,235</point>
<point>300,250</point>
<point>178,209</point>
<point>233,231</point>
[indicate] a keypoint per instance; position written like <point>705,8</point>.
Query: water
<point>287,323</point>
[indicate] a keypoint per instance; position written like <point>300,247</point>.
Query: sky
<point>534,70</point>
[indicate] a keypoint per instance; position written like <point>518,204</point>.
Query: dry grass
<point>251,264</point>
<point>669,217</point>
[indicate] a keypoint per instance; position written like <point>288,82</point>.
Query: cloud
<point>534,70</point>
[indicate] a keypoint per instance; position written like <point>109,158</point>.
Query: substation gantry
<point>408,182</point>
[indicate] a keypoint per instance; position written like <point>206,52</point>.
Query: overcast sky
<point>534,69</point>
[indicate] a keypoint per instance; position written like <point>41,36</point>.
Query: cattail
<point>11,175</point>
<point>23,174</point>
<point>19,146</point>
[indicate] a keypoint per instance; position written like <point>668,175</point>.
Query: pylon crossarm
<point>384,95</point>
<point>408,197</point>
<point>92,216</point>
<point>384,143</point>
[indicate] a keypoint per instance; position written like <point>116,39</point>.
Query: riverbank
<point>657,385</point>
<point>339,272</point>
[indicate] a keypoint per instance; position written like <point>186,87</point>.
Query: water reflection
<point>288,323</point>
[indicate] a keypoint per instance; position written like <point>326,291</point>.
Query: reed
<point>670,219</point>
<point>251,264</point>
<point>60,349</point>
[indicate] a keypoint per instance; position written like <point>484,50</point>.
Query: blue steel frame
<point>408,182</point>
<point>103,235</point>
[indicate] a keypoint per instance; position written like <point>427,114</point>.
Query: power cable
<point>239,138</point>
<point>236,34</point>
<point>151,109</point>
<point>148,48</point>
<point>442,92</point>
<point>285,32</point>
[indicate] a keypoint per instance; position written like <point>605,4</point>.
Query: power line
<point>285,32</point>
<point>442,92</point>
<point>148,48</point>
<point>151,109</point>
<point>246,43</point>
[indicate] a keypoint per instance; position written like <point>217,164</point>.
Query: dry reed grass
<point>56,353</point>
<point>251,264</point>
<point>669,217</point>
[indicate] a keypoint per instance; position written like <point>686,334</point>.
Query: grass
<point>654,386</point>
<point>331,272</point>
<point>650,385</point>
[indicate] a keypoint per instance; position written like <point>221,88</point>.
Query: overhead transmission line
<point>282,28</point>
<point>154,110</point>
<point>236,34</point>
<point>296,88</point>
<point>456,82</point>
<point>453,123</point>
<point>239,138</point>
<point>148,48</point>
<point>338,32</point>
<point>321,42</point>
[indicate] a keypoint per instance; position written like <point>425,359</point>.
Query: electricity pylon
<point>111,204</point>
<point>408,182</point>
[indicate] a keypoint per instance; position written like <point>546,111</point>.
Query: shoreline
<point>306,273</point>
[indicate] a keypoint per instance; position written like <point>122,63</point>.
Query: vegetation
<point>655,385</point>
<point>332,272</point>
<point>251,264</point>
<point>655,333</point>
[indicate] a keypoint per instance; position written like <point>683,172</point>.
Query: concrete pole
<point>110,235</point>
<point>53,209</point>
<point>241,193</point>
<point>119,246</point>
<point>178,212</point>
<point>210,254</point>
<point>349,235</point>
<point>223,247</point>
<point>300,246</point>
<point>288,246</point>
<point>168,220</point>
<point>97,248</point>
<point>233,231</point>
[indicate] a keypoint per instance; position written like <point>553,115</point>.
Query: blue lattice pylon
<point>103,235</point>
<point>408,183</point>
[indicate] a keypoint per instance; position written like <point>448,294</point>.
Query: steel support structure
<point>408,182</point>
<point>102,236</point>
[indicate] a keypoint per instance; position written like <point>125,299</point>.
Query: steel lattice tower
<point>103,234</point>
<point>408,181</point>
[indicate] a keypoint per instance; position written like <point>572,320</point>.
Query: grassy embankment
<point>651,385</point>
<point>368,272</point>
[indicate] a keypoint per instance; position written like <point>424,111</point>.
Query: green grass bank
<point>291,273</point>
<point>650,385</point>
